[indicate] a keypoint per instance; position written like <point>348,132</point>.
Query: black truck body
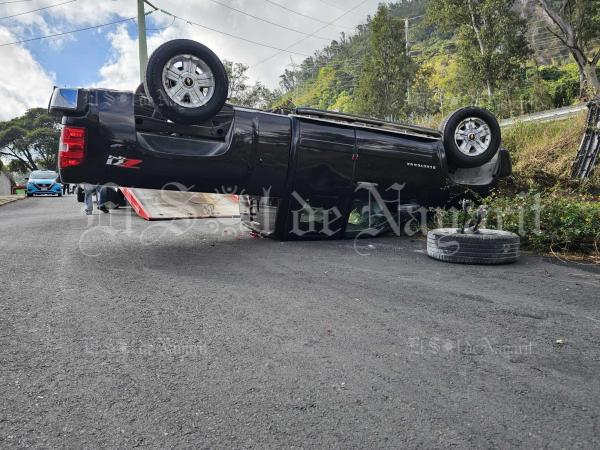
<point>289,170</point>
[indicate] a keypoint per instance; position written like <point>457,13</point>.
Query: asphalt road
<point>119,333</point>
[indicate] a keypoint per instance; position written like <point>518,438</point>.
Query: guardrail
<point>589,150</point>
<point>588,155</point>
<point>545,116</point>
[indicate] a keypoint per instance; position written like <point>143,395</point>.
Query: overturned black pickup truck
<point>301,174</point>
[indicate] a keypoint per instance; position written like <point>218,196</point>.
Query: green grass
<point>547,221</point>
<point>543,153</point>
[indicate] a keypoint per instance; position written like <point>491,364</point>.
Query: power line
<point>544,21</point>
<point>305,15</point>
<point>320,29</point>
<point>175,17</point>
<point>347,62</point>
<point>39,38</point>
<point>555,41</point>
<point>266,21</point>
<point>190,22</point>
<point>562,46</point>
<point>340,9</point>
<point>162,28</point>
<point>38,9</point>
<point>542,45</point>
<point>147,2</point>
<point>541,32</point>
<point>540,25</point>
<point>314,71</point>
<point>14,1</point>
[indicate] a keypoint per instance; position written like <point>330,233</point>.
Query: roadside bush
<point>549,221</point>
<point>546,221</point>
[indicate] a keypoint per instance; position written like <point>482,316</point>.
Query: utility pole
<point>406,30</point>
<point>142,44</point>
<point>406,34</point>
<point>407,47</point>
<point>295,68</point>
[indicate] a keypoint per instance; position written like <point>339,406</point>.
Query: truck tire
<point>186,81</point>
<point>471,137</point>
<point>480,247</point>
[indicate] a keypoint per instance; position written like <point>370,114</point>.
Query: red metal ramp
<point>152,204</point>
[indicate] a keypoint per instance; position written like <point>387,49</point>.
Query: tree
<point>288,80</point>
<point>243,94</point>
<point>329,90</point>
<point>578,23</point>
<point>387,70</point>
<point>492,44</point>
<point>44,143</point>
<point>238,80</point>
<point>31,141</point>
<point>17,166</point>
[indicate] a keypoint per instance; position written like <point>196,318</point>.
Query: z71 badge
<point>121,161</point>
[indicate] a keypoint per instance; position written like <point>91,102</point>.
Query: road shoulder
<point>6,199</point>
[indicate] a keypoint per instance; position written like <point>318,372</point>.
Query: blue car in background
<point>43,182</point>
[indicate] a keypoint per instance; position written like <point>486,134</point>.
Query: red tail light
<point>72,146</point>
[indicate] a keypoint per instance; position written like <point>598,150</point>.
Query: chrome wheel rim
<point>473,136</point>
<point>188,81</point>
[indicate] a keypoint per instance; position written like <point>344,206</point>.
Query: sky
<point>108,56</point>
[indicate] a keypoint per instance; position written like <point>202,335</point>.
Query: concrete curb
<point>6,199</point>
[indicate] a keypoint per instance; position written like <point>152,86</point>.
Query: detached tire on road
<point>186,81</point>
<point>471,137</point>
<point>481,247</point>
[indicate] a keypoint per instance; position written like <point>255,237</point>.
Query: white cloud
<point>23,82</point>
<point>123,64</point>
<point>120,69</point>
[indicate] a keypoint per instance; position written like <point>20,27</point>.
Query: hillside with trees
<point>420,60</point>
<point>511,56</point>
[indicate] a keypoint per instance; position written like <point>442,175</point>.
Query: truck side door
<point>323,179</point>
